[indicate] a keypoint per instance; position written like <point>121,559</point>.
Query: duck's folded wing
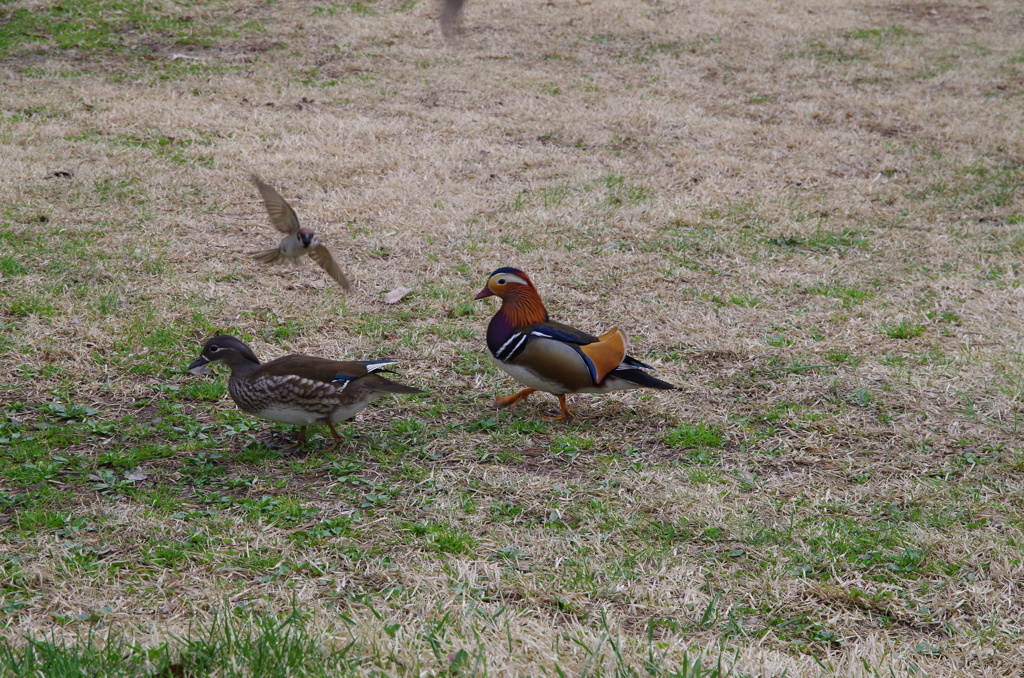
<point>317,369</point>
<point>601,354</point>
<point>556,330</point>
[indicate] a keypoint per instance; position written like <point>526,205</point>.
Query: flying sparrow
<point>298,242</point>
<point>451,13</point>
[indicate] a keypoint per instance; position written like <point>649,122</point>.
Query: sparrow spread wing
<point>267,256</point>
<point>282,216</point>
<point>322,257</point>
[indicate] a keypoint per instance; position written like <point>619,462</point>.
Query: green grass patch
<point>701,443</point>
<point>904,329</point>
<point>231,646</point>
<point>106,26</point>
<point>849,295</point>
<point>981,186</point>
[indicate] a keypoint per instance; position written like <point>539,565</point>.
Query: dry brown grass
<point>752,189</point>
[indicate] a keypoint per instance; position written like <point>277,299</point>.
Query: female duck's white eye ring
<point>214,348</point>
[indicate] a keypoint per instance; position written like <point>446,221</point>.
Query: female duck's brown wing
<point>319,369</point>
<point>350,375</point>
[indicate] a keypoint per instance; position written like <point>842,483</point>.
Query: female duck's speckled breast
<point>262,394</point>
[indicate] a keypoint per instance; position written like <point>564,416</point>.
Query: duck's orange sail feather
<point>606,353</point>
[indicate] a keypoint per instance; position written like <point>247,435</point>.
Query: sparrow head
<point>223,349</point>
<point>520,302</point>
<point>307,238</point>
<point>502,281</point>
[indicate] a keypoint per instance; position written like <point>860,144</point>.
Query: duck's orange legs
<point>514,399</point>
<point>559,416</point>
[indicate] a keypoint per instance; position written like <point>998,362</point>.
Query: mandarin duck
<point>298,389</point>
<point>299,240</point>
<point>546,355</point>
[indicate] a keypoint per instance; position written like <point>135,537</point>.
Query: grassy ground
<point>807,214</point>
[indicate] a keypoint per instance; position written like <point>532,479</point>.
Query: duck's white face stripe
<point>505,278</point>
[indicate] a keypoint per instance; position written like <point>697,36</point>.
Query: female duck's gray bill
<point>198,367</point>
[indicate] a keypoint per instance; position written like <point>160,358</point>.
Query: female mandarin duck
<point>298,389</point>
<point>549,356</point>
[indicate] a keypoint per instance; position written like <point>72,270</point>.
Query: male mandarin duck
<point>298,389</point>
<point>546,355</point>
<point>298,242</point>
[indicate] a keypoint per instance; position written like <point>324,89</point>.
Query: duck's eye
<point>501,281</point>
<point>213,349</point>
